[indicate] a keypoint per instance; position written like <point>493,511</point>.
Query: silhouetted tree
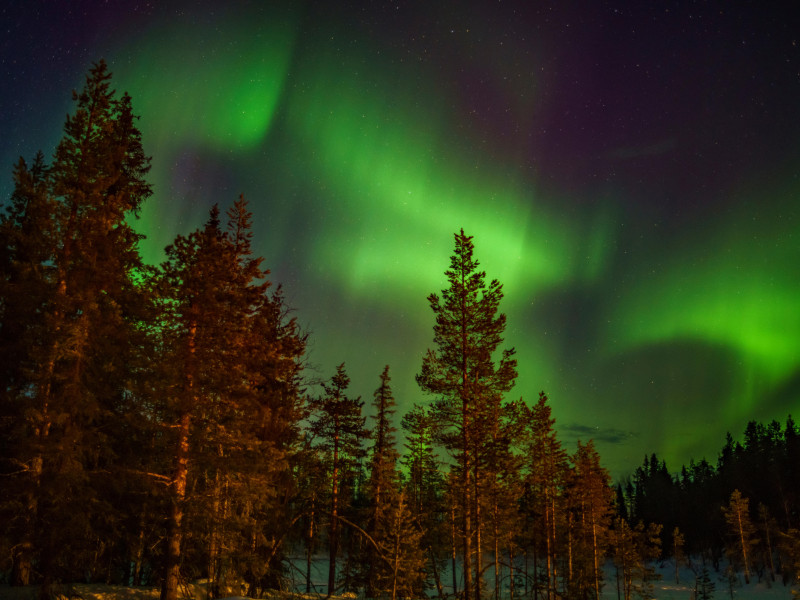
<point>338,425</point>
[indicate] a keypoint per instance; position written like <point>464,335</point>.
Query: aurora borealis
<point>629,173</point>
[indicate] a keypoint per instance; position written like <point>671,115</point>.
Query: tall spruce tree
<point>229,380</point>
<point>69,245</point>
<point>467,380</point>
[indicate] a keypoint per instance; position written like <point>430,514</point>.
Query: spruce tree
<point>338,426</point>
<point>231,403</point>
<point>704,585</point>
<point>425,491</point>
<point>383,482</point>
<point>591,508</point>
<point>467,381</point>
<point>71,369</point>
<point>546,471</point>
<point>27,245</point>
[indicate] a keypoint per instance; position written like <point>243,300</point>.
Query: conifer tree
<point>634,550</point>
<point>401,542</point>
<point>69,244</point>
<point>503,488</point>
<point>466,379</point>
<point>383,483</point>
<point>677,551</point>
<point>27,245</point>
<point>741,532</point>
<point>704,585</point>
<point>767,526</point>
<point>424,489</point>
<point>338,425</point>
<point>591,504</point>
<point>625,556</point>
<point>230,366</point>
<point>546,471</point>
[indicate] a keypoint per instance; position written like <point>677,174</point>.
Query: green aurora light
<point>406,189</point>
<point>363,146</point>
<point>212,87</point>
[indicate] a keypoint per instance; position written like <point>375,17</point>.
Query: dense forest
<point>157,426</point>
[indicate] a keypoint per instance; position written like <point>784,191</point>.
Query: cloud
<point>608,435</point>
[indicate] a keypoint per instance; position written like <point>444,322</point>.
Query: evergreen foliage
<point>229,371</point>
<point>468,383</point>
<point>72,308</point>
<point>338,427</point>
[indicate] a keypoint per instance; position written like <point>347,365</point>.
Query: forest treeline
<point>157,425</point>
<point>745,508</point>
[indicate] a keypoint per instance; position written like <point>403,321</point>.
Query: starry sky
<point>629,172</point>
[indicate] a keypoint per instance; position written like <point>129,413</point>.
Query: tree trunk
<point>172,568</point>
<point>396,566</point>
<point>478,531</point>
<point>172,558</point>
<point>310,544</point>
<point>769,551</point>
<point>334,527</point>
<point>595,557</point>
<point>22,563</point>
<point>744,545</point>
<point>139,554</point>
<point>497,573</point>
<point>213,541</point>
<point>439,591</point>
<point>511,571</point>
<point>453,539</point>
<point>467,565</point>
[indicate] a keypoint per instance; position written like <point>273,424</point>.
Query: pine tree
<point>634,550</point>
<point>503,488</point>
<point>767,526</point>
<point>338,425</point>
<point>625,556</point>
<point>740,531</point>
<point>467,382</point>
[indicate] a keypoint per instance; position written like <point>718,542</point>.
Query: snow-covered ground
<point>664,589</point>
<point>667,589</point>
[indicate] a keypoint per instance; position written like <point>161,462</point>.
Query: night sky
<point>629,172</point>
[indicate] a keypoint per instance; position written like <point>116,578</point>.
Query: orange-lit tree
<point>467,381</point>
<point>71,310</point>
